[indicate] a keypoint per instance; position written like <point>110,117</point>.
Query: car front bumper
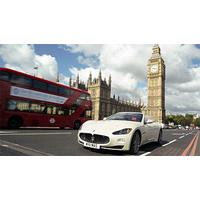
<point>116,142</point>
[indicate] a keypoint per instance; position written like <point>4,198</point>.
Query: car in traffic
<point>123,131</point>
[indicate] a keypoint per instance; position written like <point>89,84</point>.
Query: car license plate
<point>91,145</point>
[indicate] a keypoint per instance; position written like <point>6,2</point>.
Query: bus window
<point>71,111</point>
<point>34,107</point>
<point>4,76</point>
<point>66,111</point>
<point>52,88</point>
<point>86,114</point>
<point>78,102</point>
<point>82,96</point>
<point>39,85</point>
<point>49,110</point>
<point>64,91</point>
<point>61,111</point>
<point>22,106</point>
<point>54,110</point>
<point>88,97</point>
<point>18,105</point>
<point>12,105</point>
<point>85,97</point>
<point>21,80</point>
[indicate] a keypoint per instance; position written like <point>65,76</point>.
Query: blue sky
<point>65,59</point>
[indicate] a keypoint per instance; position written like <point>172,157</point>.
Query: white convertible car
<point>124,131</point>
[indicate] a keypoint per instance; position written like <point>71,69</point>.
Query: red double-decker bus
<point>28,101</point>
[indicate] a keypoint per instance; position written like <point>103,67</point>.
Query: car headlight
<point>122,132</point>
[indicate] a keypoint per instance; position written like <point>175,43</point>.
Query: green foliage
<point>197,122</point>
<point>186,120</point>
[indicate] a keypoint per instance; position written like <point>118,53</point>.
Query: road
<point>47,142</point>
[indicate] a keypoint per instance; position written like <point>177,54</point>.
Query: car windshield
<point>135,117</point>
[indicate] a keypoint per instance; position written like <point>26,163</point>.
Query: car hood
<point>107,126</point>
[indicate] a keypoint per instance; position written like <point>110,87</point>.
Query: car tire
<point>15,122</point>
<point>160,137</point>
<point>135,144</point>
<point>77,125</point>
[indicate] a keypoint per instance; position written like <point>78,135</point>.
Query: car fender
<point>133,133</point>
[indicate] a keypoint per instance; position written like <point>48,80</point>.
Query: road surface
<point>49,142</point>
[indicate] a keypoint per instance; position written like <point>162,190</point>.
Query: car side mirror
<point>149,121</point>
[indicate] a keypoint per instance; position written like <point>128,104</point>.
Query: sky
<point>126,63</point>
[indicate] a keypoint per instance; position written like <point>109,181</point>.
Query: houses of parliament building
<point>104,105</point>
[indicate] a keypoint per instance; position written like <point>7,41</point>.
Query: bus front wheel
<point>15,122</point>
<point>77,124</point>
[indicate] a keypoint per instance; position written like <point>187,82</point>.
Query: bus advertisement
<point>29,101</point>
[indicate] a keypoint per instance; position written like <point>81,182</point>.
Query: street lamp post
<point>36,68</point>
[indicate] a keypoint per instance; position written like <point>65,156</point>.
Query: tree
<point>188,119</point>
<point>197,122</point>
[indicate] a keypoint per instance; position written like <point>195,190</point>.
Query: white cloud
<point>128,65</point>
<point>22,57</point>
<point>86,49</point>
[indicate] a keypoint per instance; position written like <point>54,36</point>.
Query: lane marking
<point>185,152</point>
<point>181,137</point>
<point>31,134</point>
<point>169,143</point>
<point>23,149</point>
<point>178,133</point>
<point>145,154</point>
<point>193,151</point>
<point>9,132</point>
<point>4,145</point>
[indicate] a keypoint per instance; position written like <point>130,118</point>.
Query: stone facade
<point>156,86</point>
<point>103,104</point>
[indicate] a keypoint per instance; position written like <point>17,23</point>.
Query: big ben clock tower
<point>156,86</point>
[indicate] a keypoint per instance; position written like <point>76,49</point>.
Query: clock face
<point>154,68</point>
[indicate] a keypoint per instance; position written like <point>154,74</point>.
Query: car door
<point>149,129</point>
<point>155,130</point>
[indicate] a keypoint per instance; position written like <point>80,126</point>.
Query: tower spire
<point>156,51</point>
<point>100,75</point>
<point>77,79</point>
<point>109,83</point>
<point>70,81</point>
<point>90,78</point>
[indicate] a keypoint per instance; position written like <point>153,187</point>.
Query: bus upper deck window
<point>21,80</point>
<point>52,88</point>
<point>64,91</point>
<point>4,76</point>
<point>39,85</point>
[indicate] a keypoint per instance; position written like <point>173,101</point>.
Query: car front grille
<point>98,139</point>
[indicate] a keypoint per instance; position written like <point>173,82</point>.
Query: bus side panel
<point>3,94</point>
<point>1,106</point>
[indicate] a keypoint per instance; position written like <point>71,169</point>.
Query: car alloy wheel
<point>160,137</point>
<point>135,144</point>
